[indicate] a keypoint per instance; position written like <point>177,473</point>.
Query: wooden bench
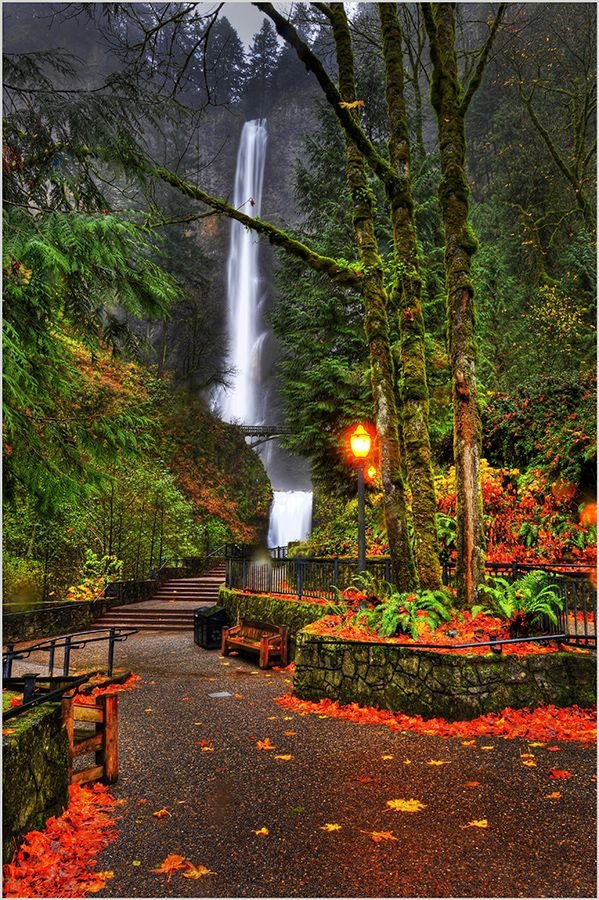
<point>268,641</point>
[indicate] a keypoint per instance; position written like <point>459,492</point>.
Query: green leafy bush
<point>523,603</point>
<point>407,613</point>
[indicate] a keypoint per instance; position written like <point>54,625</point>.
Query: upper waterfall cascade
<point>244,400</point>
<point>240,402</point>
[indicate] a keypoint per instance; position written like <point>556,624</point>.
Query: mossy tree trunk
<point>407,303</point>
<point>376,324</point>
<point>450,102</point>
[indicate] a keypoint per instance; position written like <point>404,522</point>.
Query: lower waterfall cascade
<point>290,517</point>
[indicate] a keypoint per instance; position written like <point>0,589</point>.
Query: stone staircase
<point>172,606</point>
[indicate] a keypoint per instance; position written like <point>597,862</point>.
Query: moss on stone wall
<point>275,610</point>
<point>35,777</point>
<point>455,686</point>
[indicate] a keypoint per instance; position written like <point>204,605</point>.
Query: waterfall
<point>240,402</point>
<point>244,401</point>
<point>290,517</point>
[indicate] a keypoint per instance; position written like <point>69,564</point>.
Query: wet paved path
<point>533,846</point>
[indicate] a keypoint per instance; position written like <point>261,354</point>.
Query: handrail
<point>50,645</point>
<point>45,697</point>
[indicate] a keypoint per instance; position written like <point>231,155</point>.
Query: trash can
<point>208,625</point>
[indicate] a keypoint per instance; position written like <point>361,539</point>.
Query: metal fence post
<point>51,653</point>
<point>7,666</point>
<point>336,572</point>
<point>29,686</point>
<point>67,655</point>
<point>244,561</point>
<point>300,578</point>
<point>111,643</point>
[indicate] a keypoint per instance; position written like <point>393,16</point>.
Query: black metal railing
<point>324,578</point>
<point>67,643</point>
<point>37,689</point>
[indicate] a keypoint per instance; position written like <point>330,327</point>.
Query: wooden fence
<point>103,740</point>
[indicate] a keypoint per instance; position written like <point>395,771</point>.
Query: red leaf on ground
<point>560,773</point>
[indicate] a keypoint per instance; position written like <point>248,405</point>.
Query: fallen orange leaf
<point>170,865</point>
<point>380,835</point>
<point>437,762</point>
<point>476,823</point>
<point>289,733</point>
<point>554,749</point>
<point>405,805</point>
<point>555,795</point>
<point>468,743</point>
<point>560,773</point>
<point>196,871</point>
<point>262,831</point>
<point>471,784</point>
<point>161,813</point>
<point>285,756</point>
<point>265,745</point>
<point>529,762</point>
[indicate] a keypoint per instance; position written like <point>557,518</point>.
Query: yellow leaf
<point>345,105</point>
<point>529,762</point>
<point>265,745</point>
<point>105,876</point>
<point>437,762</point>
<point>207,749</point>
<point>386,757</point>
<point>407,762</point>
<point>488,747</point>
<point>161,813</point>
<point>536,744</point>
<point>468,743</point>
<point>379,836</point>
<point>262,831</point>
<point>287,718</point>
<point>330,827</point>
<point>284,756</point>
<point>405,805</point>
<point>270,718</point>
<point>555,795</point>
<point>196,871</point>
<point>527,756</point>
<point>476,823</point>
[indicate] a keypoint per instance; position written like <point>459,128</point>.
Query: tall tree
<point>375,320</point>
<point>407,304</point>
<point>450,99</point>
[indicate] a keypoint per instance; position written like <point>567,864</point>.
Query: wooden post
<point>67,718</point>
<point>110,750</point>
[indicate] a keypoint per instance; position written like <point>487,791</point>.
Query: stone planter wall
<point>275,610</point>
<point>35,776</point>
<point>454,686</point>
<point>63,618</point>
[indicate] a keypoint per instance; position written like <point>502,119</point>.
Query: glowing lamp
<point>360,442</point>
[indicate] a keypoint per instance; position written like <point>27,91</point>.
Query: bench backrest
<point>257,629</point>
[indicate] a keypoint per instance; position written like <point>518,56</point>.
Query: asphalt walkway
<point>188,744</point>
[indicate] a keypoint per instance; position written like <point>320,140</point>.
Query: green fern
<point>532,596</point>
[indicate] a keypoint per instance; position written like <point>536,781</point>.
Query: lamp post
<point>360,447</point>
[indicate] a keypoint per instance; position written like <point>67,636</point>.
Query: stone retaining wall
<point>275,610</point>
<point>63,618</point>
<point>454,686</point>
<point>35,776</point>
